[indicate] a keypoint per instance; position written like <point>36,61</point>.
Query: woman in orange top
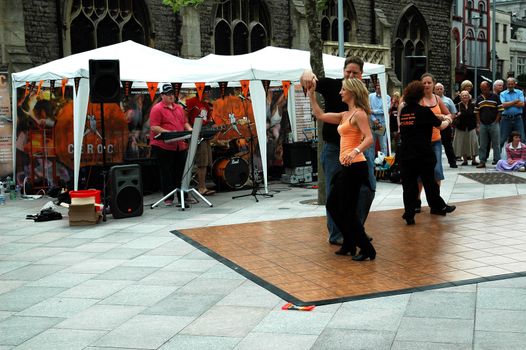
<point>355,136</point>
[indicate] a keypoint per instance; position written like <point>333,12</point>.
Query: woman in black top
<point>416,155</point>
<point>465,142</point>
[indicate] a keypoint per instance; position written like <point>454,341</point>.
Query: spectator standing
<point>377,117</point>
<point>513,101</point>
<point>487,110</point>
<point>465,141</point>
<point>447,133</point>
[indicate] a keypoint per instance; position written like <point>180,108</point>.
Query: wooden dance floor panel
<point>481,240</point>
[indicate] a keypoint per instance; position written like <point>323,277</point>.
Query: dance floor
<point>481,240</point>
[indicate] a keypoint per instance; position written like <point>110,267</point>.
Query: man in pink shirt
<point>171,156</point>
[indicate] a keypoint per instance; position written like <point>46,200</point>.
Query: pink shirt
<point>170,119</point>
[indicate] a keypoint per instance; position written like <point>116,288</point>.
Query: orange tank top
<point>435,136</point>
<point>350,138</point>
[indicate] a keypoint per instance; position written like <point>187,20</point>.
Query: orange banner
<point>64,82</point>
<point>200,88</point>
<point>245,85</point>
<point>39,86</point>
<point>152,89</point>
<point>286,86</point>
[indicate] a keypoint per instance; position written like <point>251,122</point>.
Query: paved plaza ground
<point>132,284</point>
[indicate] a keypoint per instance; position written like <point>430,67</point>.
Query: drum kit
<point>230,169</point>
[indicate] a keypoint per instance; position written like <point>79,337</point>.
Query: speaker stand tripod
<point>255,185</point>
<point>187,177</point>
<point>103,141</point>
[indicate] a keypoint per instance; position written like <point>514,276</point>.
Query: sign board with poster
<point>305,124</point>
<point>6,128</point>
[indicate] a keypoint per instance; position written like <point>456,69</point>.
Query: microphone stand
<point>255,185</point>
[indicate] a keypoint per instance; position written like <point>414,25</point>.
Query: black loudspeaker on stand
<point>126,191</point>
<point>105,87</point>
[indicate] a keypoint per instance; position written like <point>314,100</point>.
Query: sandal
<point>207,192</point>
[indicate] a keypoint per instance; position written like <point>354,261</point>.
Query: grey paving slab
<point>151,261</point>
<point>44,237</point>
<point>435,330</point>
<point>68,242</point>
<point>92,247</point>
<point>31,272</point>
<point>211,286</point>
<point>293,322</point>
<point>501,320</point>
<point>23,297</point>
<point>266,341</point>
<point>5,314</point>
<point>502,298</point>
<point>121,253</point>
<point>442,304</point>
<point>101,317</point>
<point>169,278</point>
<point>63,280</point>
<point>67,258</point>
<point>367,319</point>
<point>191,265</point>
<point>226,321</point>
<point>183,304</point>
<point>58,307</point>
<point>144,332</point>
<point>149,242</point>
<point>14,330</point>
<point>405,345</point>
<point>9,265</point>
<point>250,294</point>
<point>94,265</point>
<point>222,271</point>
<point>61,339</point>
<point>36,253</point>
<point>333,338</point>
<point>519,282</point>
<point>487,340</point>
<point>200,343</point>
<point>128,273</point>
<point>95,289</point>
<point>6,286</point>
<point>139,295</point>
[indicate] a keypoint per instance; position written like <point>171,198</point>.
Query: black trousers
<point>447,142</point>
<point>342,205</point>
<point>410,170</point>
<point>171,167</point>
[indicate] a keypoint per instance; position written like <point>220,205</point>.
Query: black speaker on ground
<point>104,81</point>
<point>297,154</point>
<point>126,191</point>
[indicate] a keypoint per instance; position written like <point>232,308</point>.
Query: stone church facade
<point>409,37</point>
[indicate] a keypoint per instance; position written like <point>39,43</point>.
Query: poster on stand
<point>6,129</point>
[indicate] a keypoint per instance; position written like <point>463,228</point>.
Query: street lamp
<point>475,83</point>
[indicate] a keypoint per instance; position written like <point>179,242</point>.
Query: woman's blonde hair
<point>465,84</point>
<point>360,93</point>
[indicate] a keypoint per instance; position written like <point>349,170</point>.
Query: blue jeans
<point>439,170</point>
<point>509,124</point>
<point>382,139</point>
<point>330,161</point>
<point>489,133</point>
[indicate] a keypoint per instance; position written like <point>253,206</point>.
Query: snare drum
<point>230,172</point>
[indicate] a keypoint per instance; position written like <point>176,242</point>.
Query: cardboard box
<point>83,214</point>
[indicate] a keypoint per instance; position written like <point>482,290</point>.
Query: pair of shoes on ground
<point>481,165</point>
<point>189,200</point>
<point>453,165</point>
<point>446,210</point>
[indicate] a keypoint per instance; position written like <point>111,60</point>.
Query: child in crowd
<point>515,154</point>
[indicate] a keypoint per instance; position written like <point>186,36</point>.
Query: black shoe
<point>454,166</point>
<point>494,162</point>
<point>346,251</point>
<point>365,256</point>
<point>410,220</point>
<point>447,209</point>
<point>418,206</point>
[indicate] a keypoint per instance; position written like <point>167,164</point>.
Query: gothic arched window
<point>98,23</point>
<point>410,45</point>
<point>329,22</point>
<point>241,27</point>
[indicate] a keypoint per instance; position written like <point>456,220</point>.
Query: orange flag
<point>26,91</point>
<point>286,86</point>
<point>200,88</point>
<point>39,86</point>
<point>245,84</point>
<point>64,82</point>
<point>152,89</point>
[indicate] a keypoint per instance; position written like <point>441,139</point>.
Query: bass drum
<point>230,172</point>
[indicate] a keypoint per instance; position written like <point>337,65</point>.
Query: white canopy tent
<point>139,63</point>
